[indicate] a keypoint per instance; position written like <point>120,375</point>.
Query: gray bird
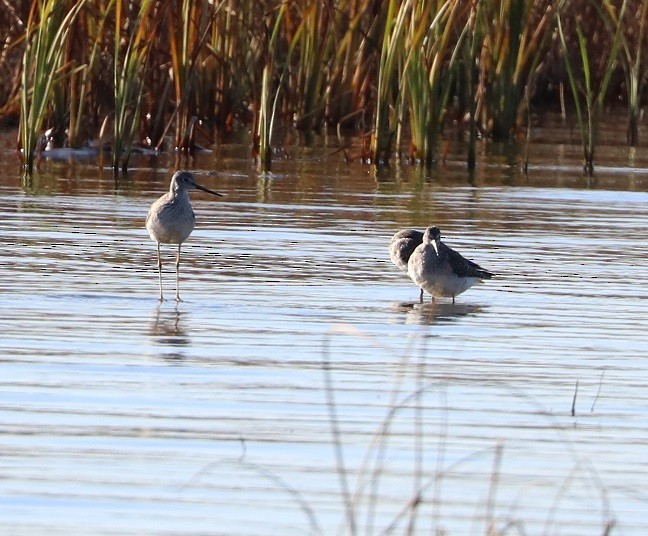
<point>171,219</point>
<point>401,247</point>
<point>441,271</point>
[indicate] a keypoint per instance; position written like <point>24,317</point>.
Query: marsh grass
<point>513,37</point>
<point>129,78</point>
<point>415,429</point>
<point>263,143</point>
<point>42,68</point>
<point>268,101</point>
<point>405,402</point>
<point>589,90</point>
<point>187,47</point>
<point>428,76</point>
<point>383,130</point>
<point>390,71</point>
<point>631,56</point>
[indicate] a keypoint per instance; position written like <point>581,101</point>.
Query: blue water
<point>121,415</point>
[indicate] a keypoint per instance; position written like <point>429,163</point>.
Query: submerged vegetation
<point>156,73</point>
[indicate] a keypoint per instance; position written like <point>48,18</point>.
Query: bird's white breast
<point>435,275</point>
<point>170,219</point>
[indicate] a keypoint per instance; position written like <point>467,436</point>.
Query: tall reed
<point>631,57</point>
<point>268,98</point>
<point>189,26</point>
<point>588,99</point>
<point>312,40</point>
<point>428,72</point>
<point>90,27</point>
<point>514,36</point>
<point>384,129</point>
<point>350,71</point>
<point>264,122</point>
<point>470,55</point>
<point>389,70</point>
<point>129,69</point>
<point>47,28</point>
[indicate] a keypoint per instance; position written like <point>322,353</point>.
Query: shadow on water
<point>167,328</point>
<point>430,312</point>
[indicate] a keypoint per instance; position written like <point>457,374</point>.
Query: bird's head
<point>185,180</point>
<point>433,236</point>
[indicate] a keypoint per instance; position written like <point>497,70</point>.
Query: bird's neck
<point>176,191</point>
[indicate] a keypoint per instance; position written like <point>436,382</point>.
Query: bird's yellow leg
<point>160,271</point>
<point>178,274</point>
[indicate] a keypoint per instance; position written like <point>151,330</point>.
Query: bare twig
<point>492,490</point>
<point>598,392</point>
<point>573,408</point>
<point>335,431</point>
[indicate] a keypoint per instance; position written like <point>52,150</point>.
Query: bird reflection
<point>167,328</point>
<point>430,312</point>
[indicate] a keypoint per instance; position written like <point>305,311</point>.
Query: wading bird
<point>401,247</point>
<point>171,219</point>
<point>440,270</point>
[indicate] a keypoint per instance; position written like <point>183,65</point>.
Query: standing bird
<point>440,270</point>
<point>401,247</point>
<point>171,219</point>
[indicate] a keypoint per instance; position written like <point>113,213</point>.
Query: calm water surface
<point>123,415</point>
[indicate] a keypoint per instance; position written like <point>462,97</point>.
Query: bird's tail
<point>485,274</point>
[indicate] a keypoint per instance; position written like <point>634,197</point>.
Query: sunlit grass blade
<point>264,130</point>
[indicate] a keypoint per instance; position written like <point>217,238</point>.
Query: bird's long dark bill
<point>208,190</point>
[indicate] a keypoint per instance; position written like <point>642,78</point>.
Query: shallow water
<point>121,415</point>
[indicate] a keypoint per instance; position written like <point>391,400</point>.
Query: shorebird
<point>171,219</point>
<point>401,247</point>
<point>440,270</point>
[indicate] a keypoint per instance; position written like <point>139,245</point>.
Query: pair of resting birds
<point>433,266</point>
